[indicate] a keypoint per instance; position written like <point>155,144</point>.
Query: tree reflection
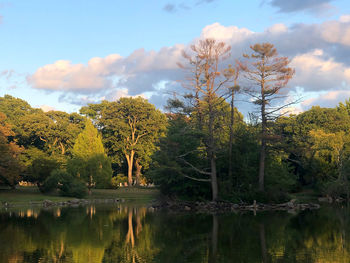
<point>134,234</point>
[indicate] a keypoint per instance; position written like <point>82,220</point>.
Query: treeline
<point>201,148</point>
<point>66,152</point>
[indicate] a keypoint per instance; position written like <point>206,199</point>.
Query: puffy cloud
<point>317,6</point>
<point>65,76</point>
<point>320,54</point>
<point>316,72</point>
<point>277,29</point>
<point>139,72</point>
<point>47,108</point>
<point>344,19</point>
<point>337,32</point>
<point>329,99</point>
<point>232,34</point>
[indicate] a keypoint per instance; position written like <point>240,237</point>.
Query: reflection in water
<point>136,234</point>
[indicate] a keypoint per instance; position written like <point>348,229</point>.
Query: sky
<point>64,54</point>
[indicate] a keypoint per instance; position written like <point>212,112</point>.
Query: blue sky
<point>63,54</point>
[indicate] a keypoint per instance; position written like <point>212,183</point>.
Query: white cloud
<point>47,108</point>
<point>277,29</point>
<point>319,53</point>
<point>220,32</point>
<point>329,99</point>
<point>336,32</point>
<point>65,76</point>
<point>316,72</point>
<point>344,19</point>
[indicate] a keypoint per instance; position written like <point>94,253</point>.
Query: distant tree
<point>130,125</point>
<point>10,167</point>
<point>268,74</point>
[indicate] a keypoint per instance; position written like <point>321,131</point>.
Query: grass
<point>25,195</point>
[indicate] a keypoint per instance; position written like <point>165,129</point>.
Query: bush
<point>75,188</point>
<point>336,189</point>
<point>41,169</point>
<point>119,179</point>
<point>67,184</point>
<point>98,168</point>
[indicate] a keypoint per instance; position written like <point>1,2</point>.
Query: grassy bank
<point>26,195</point>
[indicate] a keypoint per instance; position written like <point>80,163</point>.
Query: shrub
<point>67,184</point>
<point>119,179</point>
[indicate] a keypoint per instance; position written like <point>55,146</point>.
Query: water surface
<point>127,233</point>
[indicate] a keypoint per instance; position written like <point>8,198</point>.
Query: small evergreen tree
<point>88,142</point>
<point>90,162</point>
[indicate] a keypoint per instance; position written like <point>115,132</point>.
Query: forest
<point>200,147</point>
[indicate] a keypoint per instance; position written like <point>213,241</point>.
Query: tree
<point>168,171</point>
<point>54,132</point>
<point>233,90</point>
<point>90,162</point>
<point>207,83</point>
<point>129,125</point>
<point>10,167</point>
<point>88,142</point>
<point>268,75</point>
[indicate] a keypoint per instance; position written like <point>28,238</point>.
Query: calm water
<point>136,234</point>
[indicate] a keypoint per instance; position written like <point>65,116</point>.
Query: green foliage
<point>99,166</point>
<point>119,179</point>
<point>335,189</point>
<point>279,177</point>
<point>90,162</point>
<point>130,128</point>
<point>41,168</point>
<point>169,171</point>
<point>148,123</point>
<point>10,167</point>
<point>88,142</point>
<point>95,171</point>
<point>67,184</point>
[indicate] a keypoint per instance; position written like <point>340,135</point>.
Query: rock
<point>48,203</point>
<point>74,201</point>
<point>187,208</point>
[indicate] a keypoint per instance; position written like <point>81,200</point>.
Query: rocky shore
<point>69,203</point>
<point>222,207</point>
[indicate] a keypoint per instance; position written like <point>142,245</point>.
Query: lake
<point>128,233</point>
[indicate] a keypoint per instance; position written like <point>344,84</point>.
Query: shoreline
<point>68,203</point>
<point>223,207</point>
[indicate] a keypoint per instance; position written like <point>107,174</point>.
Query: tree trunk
<point>138,172</point>
<point>214,239</point>
<point>263,242</point>
<point>214,180</point>
<point>262,165</point>
<point>263,142</point>
<point>211,147</point>
<point>90,185</point>
<point>231,137</point>
<point>63,150</point>
<point>130,235</point>
<point>130,160</point>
